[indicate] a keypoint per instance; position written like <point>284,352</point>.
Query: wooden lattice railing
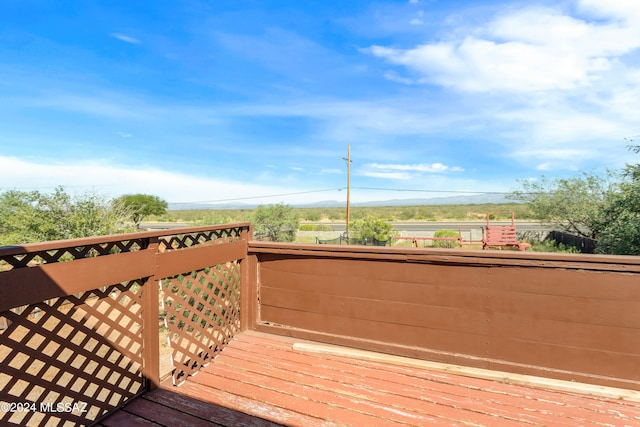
<point>79,319</point>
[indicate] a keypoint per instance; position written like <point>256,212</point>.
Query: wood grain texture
<point>573,317</point>
<point>262,380</point>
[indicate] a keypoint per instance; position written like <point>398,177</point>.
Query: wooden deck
<point>259,380</point>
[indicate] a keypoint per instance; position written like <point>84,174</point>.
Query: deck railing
<point>565,316</point>
<point>80,319</point>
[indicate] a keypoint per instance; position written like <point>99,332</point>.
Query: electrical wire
<point>430,191</point>
<point>237,199</point>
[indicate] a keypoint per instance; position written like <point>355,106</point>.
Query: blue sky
<point>219,100</point>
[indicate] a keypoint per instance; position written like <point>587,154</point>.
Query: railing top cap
<point>85,241</point>
<point>540,259</point>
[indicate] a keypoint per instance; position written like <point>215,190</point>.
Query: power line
<point>431,191</point>
<point>236,199</point>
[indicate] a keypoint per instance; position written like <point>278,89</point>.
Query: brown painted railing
<point>79,319</point>
<point>564,316</point>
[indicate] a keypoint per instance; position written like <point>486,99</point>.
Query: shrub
<point>336,216</point>
<point>407,214</point>
<point>369,228</point>
<point>445,243</point>
<point>551,246</point>
<point>27,217</point>
<point>312,216</point>
<point>322,227</point>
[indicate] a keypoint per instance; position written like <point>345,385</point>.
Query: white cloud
<point>331,171</point>
<point>524,51</point>
<point>114,180</point>
<point>554,87</point>
<point>404,171</point>
<point>125,38</point>
<point>346,119</point>
<point>403,176</point>
<point>95,103</point>
<point>619,9</point>
<point>391,75</point>
<point>543,166</point>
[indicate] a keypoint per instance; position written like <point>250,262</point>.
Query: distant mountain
<point>212,206</point>
<point>476,199</point>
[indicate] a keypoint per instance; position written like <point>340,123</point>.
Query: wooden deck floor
<point>259,380</point>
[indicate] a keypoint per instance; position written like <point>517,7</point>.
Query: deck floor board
<point>259,380</point>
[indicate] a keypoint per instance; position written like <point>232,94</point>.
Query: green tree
<point>142,205</point>
<point>19,218</point>
<point>575,205</point>
<point>278,223</point>
<point>370,227</point>
<point>621,233</point>
<point>27,217</point>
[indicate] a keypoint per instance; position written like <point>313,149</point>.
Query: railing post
<point>150,324</point>
<point>248,286</point>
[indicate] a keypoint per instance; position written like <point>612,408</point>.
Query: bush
<point>312,216</point>
<point>322,227</point>
<point>315,227</point>
<point>407,214</point>
<point>336,215</point>
<point>551,246</point>
<point>27,217</point>
<point>371,228</point>
<point>446,243</point>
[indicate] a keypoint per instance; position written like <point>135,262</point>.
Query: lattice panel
<point>8,262</point>
<point>202,314</point>
<point>81,354</point>
<point>181,241</point>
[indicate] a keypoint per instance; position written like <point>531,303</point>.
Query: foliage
<point>279,223</point>
<point>621,233</point>
<point>574,205</point>
<point>315,227</point>
<point>142,205</point>
<point>551,246</point>
<point>476,212</point>
<point>370,227</point>
<point>322,227</point>
<point>27,217</point>
<point>591,206</point>
<point>209,216</point>
<point>313,215</point>
<point>408,213</point>
<point>446,243</point>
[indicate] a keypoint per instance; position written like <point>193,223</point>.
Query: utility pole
<point>348,159</point>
